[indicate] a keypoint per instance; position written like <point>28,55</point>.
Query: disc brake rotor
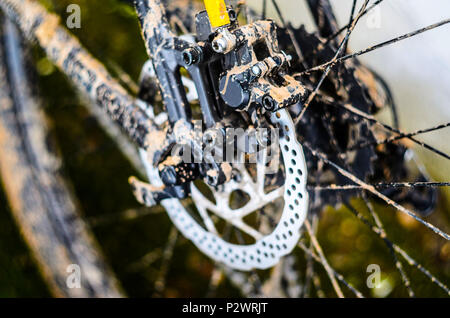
<point>267,249</point>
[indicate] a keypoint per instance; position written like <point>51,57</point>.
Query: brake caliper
<point>255,68</point>
<point>234,68</point>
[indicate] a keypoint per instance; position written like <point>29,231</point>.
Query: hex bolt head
<point>219,45</point>
<point>256,70</point>
<point>268,103</point>
<point>192,55</point>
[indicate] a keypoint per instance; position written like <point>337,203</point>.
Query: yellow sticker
<point>217,12</point>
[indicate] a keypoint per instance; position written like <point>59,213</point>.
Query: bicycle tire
<point>41,201</point>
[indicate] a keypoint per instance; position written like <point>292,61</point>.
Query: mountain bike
<point>246,130</point>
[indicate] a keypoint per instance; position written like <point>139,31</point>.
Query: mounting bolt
<point>219,45</point>
<point>268,103</point>
<point>224,42</point>
<point>192,55</point>
<point>278,60</point>
<point>256,70</point>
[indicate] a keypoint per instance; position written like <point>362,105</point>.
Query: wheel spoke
<point>345,27</point>
<point>329,102</point>
<point>398,265</point>
<point>338,276</point>
<point>352,14</point>
<point>350,187</point>
<point>331,63</point>
<point>309,260</point>
<point>334,62</point>
<point>264,9</point>
<point>290,32</point>
<point>214,281</point>
<point>324,261</point>
<point>382,234</point>
<point>373,190</point>
<point>127,215</point>
<point>145,261</point>
<point>399,137</point>
<point>160,282</point>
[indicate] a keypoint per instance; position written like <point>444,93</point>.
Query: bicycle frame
<point>88,75</point>
<point>167,52</point>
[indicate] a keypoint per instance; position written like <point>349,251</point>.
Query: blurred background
<point>132,237</point>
